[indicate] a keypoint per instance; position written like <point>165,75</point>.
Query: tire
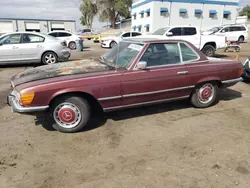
<point>204,95</point>
<point>241,39</point>
<point>112,44</point>
<point>246,76</point>
<point>69,114</point>
<point>208,50</point>
<point>49,58</point>
<point>72,45</point>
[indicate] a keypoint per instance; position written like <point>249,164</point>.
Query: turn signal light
<point>27,98</point>
<point>240,72</point>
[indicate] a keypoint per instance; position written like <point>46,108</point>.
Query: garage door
<point>6,27</point>
<point>32,26</point>
<point>57,26</point>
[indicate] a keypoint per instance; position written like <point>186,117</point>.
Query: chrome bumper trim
<point>20,109</point>
<point>232,81</point>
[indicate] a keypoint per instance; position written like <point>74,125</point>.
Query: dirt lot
<point>168,145</point>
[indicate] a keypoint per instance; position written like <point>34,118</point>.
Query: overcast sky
<point>49,9</point>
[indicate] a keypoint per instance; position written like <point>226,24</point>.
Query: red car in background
<point>134,73</point>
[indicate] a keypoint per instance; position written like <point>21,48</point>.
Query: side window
<point>189,31</point>
<point>161,54</point>
<point>126,35</point>
<point>226,29</point>
<point>176,31</point>
<point>53,34</point>
<point>31,38</point>
<point>187,53</point>
<point>135,34</point>
<point>62,34</point>
<point>233,29</point>
<point>11,39</point>
<point>242,28</point>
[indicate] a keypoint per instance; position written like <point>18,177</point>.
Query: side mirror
<point>142,65</point>
<point>169,34</point>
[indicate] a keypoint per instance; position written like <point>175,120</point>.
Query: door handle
<point>183,72</point>
<point>39,46</point>
<point>15,47</point>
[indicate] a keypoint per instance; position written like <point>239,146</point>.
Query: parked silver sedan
<point>32,47</point>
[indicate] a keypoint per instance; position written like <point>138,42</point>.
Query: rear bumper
<point>229,83</point>
<point>64,54</point>
<point>16,107</point>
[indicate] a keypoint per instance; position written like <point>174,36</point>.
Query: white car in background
<point>70,38</point>
<point>110,42</point>
<point>233,32</point>
<point>205,43</point>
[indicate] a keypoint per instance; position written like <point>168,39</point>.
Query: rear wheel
<point>49,58</point>
<point>70,114</point>
<point>72,45</point>
<point>208,50</point>
<point>241,39</point>
<point>204,95</point>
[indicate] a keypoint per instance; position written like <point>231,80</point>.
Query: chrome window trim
<point>232,81</point>
<point>190,61</point>
<point>145,103</point>
<point>157,66</point>
<point>145,93</point>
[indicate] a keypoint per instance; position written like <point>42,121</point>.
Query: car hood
<point>58,70</point>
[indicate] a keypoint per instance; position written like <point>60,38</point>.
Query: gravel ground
<point>167,145</point>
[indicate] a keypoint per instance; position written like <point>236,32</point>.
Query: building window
<point>142,14</point>
<point>226,14</point>
<point>139,28</point>
<point>147,27</point>
<point>183,12</point>
<point>164,11</point>
<point>134,28</point>
<point>212,13</point>
<point>134,16</point>
<point>147,12</point>
<point>197,12</point>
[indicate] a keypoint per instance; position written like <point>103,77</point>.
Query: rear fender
<point>209,79</point>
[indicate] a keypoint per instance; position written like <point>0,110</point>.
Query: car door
<point>225,32</point>
<point>190,34</point>
<point>64,36</point>
<point>32,47</point>
<point>165,77</point>
<point>10,48</point>
<point>134,34</point>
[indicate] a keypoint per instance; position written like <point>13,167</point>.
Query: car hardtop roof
<point>226,25</point>
<point>25,32</point>
<point>178,26</point>
<point>151,40</point>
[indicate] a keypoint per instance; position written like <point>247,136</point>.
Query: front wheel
<point>208,50</point>
<point>113,44</point>
<point>241,39</point>
<point>204,95</point>
<point>70,114</point>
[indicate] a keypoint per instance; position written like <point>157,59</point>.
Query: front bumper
<point>105,44</point>
<point>16,107</point>
<point>229,83</point>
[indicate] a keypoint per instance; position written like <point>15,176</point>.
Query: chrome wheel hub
<point>206,93</point>
<point>67,115</point>
<point>50,59</point>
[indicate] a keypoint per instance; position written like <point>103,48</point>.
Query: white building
<point>149,15</point>
<point>38,25</point>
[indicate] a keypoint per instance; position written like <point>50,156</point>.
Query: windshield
<point>122,55</point>
<point>161,31</point>
<point>215,29</point>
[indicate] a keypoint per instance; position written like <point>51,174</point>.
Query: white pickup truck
<point>208,44</point>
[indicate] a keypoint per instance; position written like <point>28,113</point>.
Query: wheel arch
<point>47,52</point>
<point>95,105</point>
<point>214,79</point>
<point>210,43</point>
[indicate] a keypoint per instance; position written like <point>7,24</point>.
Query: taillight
<point>240,72</point>
<point>63,43</point>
